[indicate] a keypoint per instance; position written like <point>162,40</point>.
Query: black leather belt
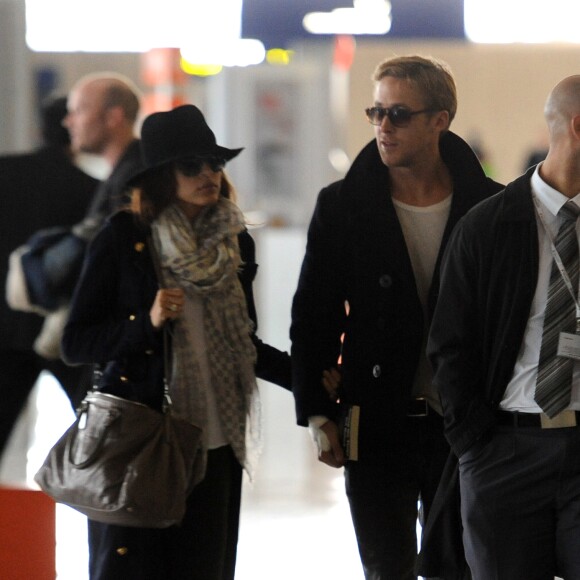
<point>539,420</point>
<point>418,408</point>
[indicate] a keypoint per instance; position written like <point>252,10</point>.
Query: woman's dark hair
<point>158,188</point>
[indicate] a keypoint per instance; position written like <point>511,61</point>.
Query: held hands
<point>325,433</point>
<point>331,382</point>
<point>168,305</point>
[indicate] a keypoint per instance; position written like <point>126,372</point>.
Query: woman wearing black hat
<point>183,210</point>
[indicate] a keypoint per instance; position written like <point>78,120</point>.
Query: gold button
<point>124,379</point>
<point>139,246</point>
<point>122,551</point>
<point>132,317</point>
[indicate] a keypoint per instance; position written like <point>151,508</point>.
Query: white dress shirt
<point>519,395</point>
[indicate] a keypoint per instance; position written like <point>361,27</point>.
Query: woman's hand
<point>168,305</point>
<point>331,379</point>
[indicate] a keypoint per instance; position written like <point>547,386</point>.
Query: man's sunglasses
<point>399,116</point>
<point>192,166</point>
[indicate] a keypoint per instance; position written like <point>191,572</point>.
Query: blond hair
<point>432,77</point>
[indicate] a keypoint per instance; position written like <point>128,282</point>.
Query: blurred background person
<point>102,113</point>
<point>41,189</point>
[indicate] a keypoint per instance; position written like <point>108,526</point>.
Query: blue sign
<point>278,23</point>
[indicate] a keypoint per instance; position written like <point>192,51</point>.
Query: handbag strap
<point>97,370</point>
<point>166,342</point>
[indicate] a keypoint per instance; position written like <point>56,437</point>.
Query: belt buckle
<point>423,412</point>
<point>566,418</point>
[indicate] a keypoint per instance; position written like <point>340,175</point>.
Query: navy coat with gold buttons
<point>109,322</point>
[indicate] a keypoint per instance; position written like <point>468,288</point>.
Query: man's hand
<point>329,448</point>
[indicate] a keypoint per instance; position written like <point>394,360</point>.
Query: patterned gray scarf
<point>203,258</point>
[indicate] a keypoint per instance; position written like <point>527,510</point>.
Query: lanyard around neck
<point>559,263</point>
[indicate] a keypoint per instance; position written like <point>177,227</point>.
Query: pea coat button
<point>385,281</point>
<point>377,371</point>
<point>122,551</point>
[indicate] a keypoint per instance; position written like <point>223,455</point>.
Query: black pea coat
<point>109,321</point>
<point>356,253</point>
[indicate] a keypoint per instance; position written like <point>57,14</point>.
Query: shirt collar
<point>549,197</point>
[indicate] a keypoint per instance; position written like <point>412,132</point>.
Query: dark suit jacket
<point>489,277</point>
<point>109,321</point>
<point>37,190</point>
<point>474,343</point>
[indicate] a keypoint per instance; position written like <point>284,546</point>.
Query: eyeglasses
<point>193,166</point>
<point>399,116</point>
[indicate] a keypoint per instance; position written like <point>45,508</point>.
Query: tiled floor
<point>295,521</point>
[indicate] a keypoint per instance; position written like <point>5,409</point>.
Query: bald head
<point>562,105</point>
<point>112,91</point>
<point>561,169</point>
<point>102,111</point>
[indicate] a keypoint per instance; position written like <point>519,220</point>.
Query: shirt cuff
<point>319,437</point>
<point>317,421</point>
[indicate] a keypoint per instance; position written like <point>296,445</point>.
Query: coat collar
<point>368,207</point>
<point>368,173</point>
<point>517,199</point>
<point>365,188</point>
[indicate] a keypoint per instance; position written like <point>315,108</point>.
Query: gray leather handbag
<point>123,463</point>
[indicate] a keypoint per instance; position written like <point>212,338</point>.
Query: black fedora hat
<point>172,135</point>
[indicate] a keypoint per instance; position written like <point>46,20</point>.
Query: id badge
<point>569,345</point>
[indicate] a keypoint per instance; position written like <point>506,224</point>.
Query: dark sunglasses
<point>193,166</point>
<point>399,116</point>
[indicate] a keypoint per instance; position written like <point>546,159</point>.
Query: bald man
<point>102,114</point>
<point>101,118</point>
<point>102,111</point>
<point>505,349</point>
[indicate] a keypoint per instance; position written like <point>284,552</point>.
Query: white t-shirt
<point>423,229</point>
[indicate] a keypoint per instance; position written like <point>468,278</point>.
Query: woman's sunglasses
<point>193,166</point>
<point>399,116</point>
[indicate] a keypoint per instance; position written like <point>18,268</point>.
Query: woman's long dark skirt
<point>203,547</point>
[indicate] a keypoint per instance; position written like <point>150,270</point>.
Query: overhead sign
<point>280,23</point>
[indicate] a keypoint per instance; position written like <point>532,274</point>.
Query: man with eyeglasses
<point>367,289</point>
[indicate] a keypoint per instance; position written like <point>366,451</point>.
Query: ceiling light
<point>366,17</point>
